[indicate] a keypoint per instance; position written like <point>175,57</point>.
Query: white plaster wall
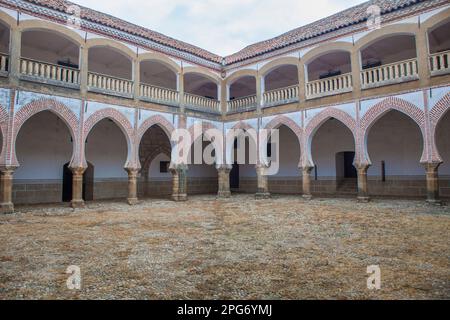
<point>289,153</point>
<point>106,149</point>
<point>201,170</point>
<point>155,166</point>
<point>331,138</point>
<point>443,144</point>
<point>43,146</point>
<point>397,140</point>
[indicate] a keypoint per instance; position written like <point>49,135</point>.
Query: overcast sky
<point>220,26</point>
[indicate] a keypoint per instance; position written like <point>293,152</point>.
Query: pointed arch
<point>121,121</point>
<point>317,121</point>
<point>158,120</point>
<point>389,104</point>
<point>54,106</point>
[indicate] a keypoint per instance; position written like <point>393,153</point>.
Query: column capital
<point>8,168</point>
<point>362,166</point>
<point>224,167</point>
<point>434,165</point>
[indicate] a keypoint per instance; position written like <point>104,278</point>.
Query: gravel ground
<point>284,248</point>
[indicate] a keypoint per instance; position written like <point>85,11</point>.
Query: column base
<point>363,199</point>
<point>224,194</point>
<point>307,197</point>
<point>6,208</point>
<point>262,196</point>
<point>179,197</point>
<point>132,201</point>
<point>77,204</point>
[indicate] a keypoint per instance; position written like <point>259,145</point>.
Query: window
<point>164,166</point>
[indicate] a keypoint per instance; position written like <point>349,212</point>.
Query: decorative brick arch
<point>121,121</point>
<point>437,113</point>
<point>3,130</point>
<point>54,106</point>
<point>278,121</point>
<point>381,108</point>
<point>317,121</point>
<point>157,120</point>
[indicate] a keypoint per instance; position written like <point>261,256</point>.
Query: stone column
<point>132,186</point>
<point>15,53</point>
<point>356,70</point>
<point>180,85</point>
<point>422,57</point>
<point>224,182</point>
<point>306,181</point>
<point>77,187</point>
<point>363,191</point>
<point>263,184</point>
<point>179,188</point>
<point>137,79</point>
<point>259,93</point>
<point>432,183</point>
<point>84,70</point>
<point>6,184</point>
<point>301,81</point>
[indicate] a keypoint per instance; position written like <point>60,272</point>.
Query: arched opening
<point>157,74</point>
<point>395,146</point>
<point>329,74</point>
<point>155,155</point>
<point>333,152</point>
<point>200,85</point>
<point>329,65</point>
<point>243,87</point>
<point>4,47</point>
<point>439,48</point>
<point>110,71</point>
<point>438,37</point>
<point>281,77</point>
<point>443,145</point>
<point>106,148</point>
<point>243,178</point>
<point>287,154</point>
<point>50,55</point>
<point>43,146</point>
<point>389,60</point>
<point>202,176</point>
<point>110,62</point>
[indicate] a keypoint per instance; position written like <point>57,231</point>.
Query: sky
<point>220,26</point>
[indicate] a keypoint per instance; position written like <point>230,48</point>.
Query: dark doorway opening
<point>344,165</point>
<point>88,183</point>
<point>349,168</point>
<point>234,177</point>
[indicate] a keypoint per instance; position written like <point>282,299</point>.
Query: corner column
<point>306,182</point>
<point>77,187</point>
<point>6,184</point>
<point>179,182</point>
<point>224,181</point>
<point>263,184</point>
<point>363,191</point>
<point>132,186</point>
<point>432,183</point>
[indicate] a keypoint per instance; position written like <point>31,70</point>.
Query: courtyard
<point>283,248</point>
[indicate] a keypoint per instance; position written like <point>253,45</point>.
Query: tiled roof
<point>332,23</point>
<point>335,22</point>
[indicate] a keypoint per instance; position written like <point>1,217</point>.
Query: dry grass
<point>239,249</point>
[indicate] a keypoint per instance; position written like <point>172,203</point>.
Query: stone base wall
<point>202,186</point>
<point>50,191</point>
<point>37,191</point>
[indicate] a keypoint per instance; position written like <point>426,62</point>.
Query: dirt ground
<point>284,248</point>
